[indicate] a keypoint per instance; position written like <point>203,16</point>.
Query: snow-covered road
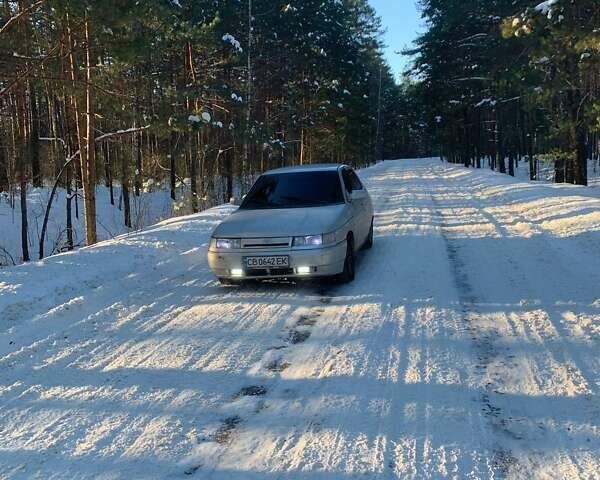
<point>468,347</point>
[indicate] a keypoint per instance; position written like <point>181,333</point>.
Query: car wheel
<point>349,272</point>
<point>228,282</point>
<point>369,242</point>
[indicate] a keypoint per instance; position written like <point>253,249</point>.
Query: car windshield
<point>295,190</point>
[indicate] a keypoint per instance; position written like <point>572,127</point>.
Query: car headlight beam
<point>237,272</point>
<point>303,270</point>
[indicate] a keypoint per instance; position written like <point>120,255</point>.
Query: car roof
<point>321,167</point>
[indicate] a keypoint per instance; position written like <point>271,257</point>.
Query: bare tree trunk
<point>75,104</point>
<point>108,172</point>
<point>193,153</point>
<point>4,184</point>
<point>69,208</point>
<point>580,176</point>
<point>228,176</point>
<point>138,164</point>
<point>34,139</point>
<point>378,144</point>
<point>88,164</point>
<point>532,163</point>
<point>24,223</point>
<point>501,165</point>
<point>23,157</point>
<point>173,173</point>
<point>55,118</point>
<point>23,142</point>
<point>138,152</point>
<point>478,148</point>
<point>64,124</point>
<point>569,169</point>
<point>125,191</point>
<point>560,175</point>
<point>85,134</point>
<point>249,88</point>
<point>302,147</point>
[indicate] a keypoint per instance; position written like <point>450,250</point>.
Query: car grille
<point>284,242</point>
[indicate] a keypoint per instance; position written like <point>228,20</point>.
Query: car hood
<point>288,222</point>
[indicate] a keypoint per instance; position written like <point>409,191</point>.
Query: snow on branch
<point>228,38</point>
<point>53,139</point>
<point>468,79</point>
<point>121,132</point>
<point>473,37</point>
<point>545,8</point>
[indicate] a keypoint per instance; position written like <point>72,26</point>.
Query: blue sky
<point>403,22</point>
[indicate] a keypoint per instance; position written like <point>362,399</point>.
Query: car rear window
<point>295,190</point>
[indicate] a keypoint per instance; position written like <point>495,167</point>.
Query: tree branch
<point>32,8</point>
<point>26,73</point>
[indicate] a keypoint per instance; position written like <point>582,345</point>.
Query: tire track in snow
<point>269,368</point>
<point>502,458</point>
<point>547,362</point>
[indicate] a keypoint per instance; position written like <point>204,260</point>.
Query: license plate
<point>267,262</point>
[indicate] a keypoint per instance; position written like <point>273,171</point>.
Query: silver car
<point>300,222</point>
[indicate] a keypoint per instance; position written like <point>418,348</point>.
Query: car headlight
<point>225,243</point>
<point>314,240</point>
<point>308,241</point>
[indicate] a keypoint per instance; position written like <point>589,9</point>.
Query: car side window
<point>347,180</point>
<point>355,181</point>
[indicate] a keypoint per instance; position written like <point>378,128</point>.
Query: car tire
<point>369,242</point>
<point>228,282</point>
<point>349,272</point>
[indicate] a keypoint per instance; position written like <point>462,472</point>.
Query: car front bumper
<point>323,262</point>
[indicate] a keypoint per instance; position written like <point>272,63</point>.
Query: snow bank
<point>153,205</point>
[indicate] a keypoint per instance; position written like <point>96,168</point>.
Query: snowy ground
<point>466,348</point>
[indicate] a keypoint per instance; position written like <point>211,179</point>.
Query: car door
<point>359,204</point>
<point>353,206</point>
<point>363,201</point>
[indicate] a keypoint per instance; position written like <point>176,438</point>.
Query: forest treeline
<point>509,80</point>
<point>196,93</point>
